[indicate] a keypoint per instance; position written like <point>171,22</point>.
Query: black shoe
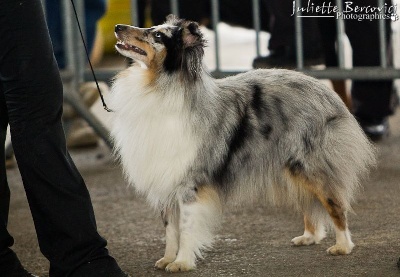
<point>283,58</point>
<point>103,267</point>
<point>375,129</point>
<point>398,263</point>
<point>10,266</point>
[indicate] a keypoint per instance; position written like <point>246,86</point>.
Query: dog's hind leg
<point>170,217</point>
<point>338,214</point>
<point>200,212</point>
<point>314,230</point>
<point>335,208</point>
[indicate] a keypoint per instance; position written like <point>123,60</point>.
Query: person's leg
<point>57,195</point>
<point>328,39</point>
<point>282,43</point>
<point>240,13</point>
<point>282,26</point>
<point>371,98</point>
<point>6,240</point>
<point>9,262</point>
<point>373,101</point>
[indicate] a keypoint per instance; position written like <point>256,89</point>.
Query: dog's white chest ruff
<point>155,143</point>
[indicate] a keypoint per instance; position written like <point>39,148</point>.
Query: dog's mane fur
<point>185,49</point>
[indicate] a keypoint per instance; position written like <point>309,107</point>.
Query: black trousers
<point>31,103</point>
<point>282,29</point>
<point>372,99</point>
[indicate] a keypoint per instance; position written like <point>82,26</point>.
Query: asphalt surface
<point>253,240</point>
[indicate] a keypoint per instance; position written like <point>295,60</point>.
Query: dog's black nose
<point>120,27</point>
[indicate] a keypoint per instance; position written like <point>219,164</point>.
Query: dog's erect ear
<point>192,35</point>
<point>172,19</point>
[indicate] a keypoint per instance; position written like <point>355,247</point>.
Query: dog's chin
<point>130,51</point>
<point>136,58</point>
<point>123,52</point>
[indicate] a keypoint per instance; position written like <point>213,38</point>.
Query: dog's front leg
<point>170,217</point>
<point>200,212</point>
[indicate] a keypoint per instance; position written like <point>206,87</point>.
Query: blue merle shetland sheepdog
<point>191,143</point>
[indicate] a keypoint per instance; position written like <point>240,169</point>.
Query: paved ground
<point>253,241</point>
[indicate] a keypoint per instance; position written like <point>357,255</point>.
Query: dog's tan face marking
<point>143,44</point>
<point>175,47</point>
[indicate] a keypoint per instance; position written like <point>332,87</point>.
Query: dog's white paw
<point>340,249</point>
<point>163,262</point>
<point>178,266</point>
<point>303,240</point>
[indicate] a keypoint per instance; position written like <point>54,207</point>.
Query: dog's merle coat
<point>191,143</point>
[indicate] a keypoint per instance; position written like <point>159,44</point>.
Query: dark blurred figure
<point>282,44</point>
<point>372,101</point>
<point>233,12</point>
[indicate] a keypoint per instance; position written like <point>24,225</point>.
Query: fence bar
<point>69,42</point>
<point>81,59</point>
<point>174,7</point>
<point>357,73</point>
<point>135,13</point>
<point>215,21</point>
<point>75,58</point>
<point>382,36</point>
<point>340,34</point>
<point>256,24</point>
<point>298,24</point>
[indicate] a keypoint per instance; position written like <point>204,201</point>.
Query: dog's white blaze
<point>155,144</point>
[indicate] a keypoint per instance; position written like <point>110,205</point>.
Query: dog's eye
<point>158,37</point>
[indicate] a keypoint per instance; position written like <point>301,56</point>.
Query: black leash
<point>88,58</point>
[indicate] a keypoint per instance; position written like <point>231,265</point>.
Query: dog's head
<point>175,46</point>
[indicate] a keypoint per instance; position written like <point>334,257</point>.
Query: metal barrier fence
<point>359,73</point>
<point>75,72</point>
<point>356,73</point>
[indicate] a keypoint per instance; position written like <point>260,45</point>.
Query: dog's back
<point>285,120</point>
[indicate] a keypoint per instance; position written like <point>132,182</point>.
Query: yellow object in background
<point>118,12</point>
